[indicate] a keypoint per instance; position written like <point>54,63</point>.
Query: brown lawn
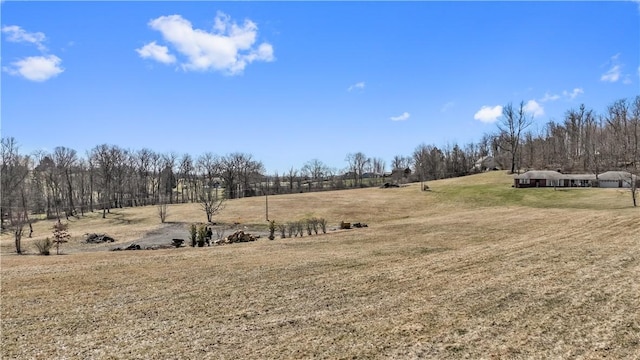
<point>473,269</point>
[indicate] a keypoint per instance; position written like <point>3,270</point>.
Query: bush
<point>193,232</point>
<point>44,246</point>
<point>272,229</point>
<point>308,226</point>
<point>314,224</point>
<point>291,229</point>
<point>323,225</point>
<point>202,234</point>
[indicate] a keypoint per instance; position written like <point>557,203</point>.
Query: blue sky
<point>292,81</point>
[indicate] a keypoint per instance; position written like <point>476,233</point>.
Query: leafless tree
<point>185,175</point>
<point>512,125</point>
<point>65,160</point>
<point>103,158</point>
<point>162,208</point>
<point>357,163</point>
<point>291,177</point>
<point>315,170</point>
<point>210,202</point>
<point>14,171</point>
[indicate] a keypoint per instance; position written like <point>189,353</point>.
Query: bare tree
<point>315,170</point>
<point>65,160</point>
<point>211,204</point>
<point>13,175</point>
<point>357,163</point>
<point>291,177</point>
<point>185,175</point>
<point>162,208</point>
<point>103,158</point>
<point>511,126</point>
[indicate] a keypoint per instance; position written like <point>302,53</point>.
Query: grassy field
<point>472,269</point>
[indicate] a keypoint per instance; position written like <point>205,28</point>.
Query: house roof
<point>554,175</point>
<point>617,175</point>
<point>541,174</point>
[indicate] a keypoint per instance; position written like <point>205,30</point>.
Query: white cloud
<point>36,68</point>
<point>615,72</point>
<point>573,94</point>
<point>156,52</point>
<point>612,75</point>
<point>359,85</point>
<point>565,94</point>
<point>488,114</point>
<point>550,97</point>
<point>17,34</point>
<point>533,108</point>
<point>446,107</point>
<point>229,48</point>
<point>405,115</point>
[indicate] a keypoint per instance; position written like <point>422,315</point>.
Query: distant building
<point>548,178</point>
<point>486,163</point>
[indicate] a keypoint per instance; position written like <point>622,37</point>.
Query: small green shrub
<point>193,232</point>
<point>272,229</point>
<point>202,234</point>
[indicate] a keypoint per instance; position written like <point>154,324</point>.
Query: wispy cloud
<point>229,48</point>
<point>533,108</point>
<point>488,114</point>
<point>17,34</point>
<point>446,107</point>
<point>156,52</point>
<point>568,95</point>
<point>359,85</point>
<point>573,94</point>
<point>33,68</point>
<point>615,71</point>
<point>612,75</point>
<point>549,97</point>
<point>404,116</point>
<point>36,68</point>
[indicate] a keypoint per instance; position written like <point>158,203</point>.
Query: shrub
<point>323,225</point>
<point>308,226</point>
<point>44,246</point>
<point>283,229</point>
<point>291,229</point>
<point>272,229</point>
<point>314,225</point>
<point>300,228</point>
<point>60,234</point>
<point>193,232</point>
<point>202,234</point>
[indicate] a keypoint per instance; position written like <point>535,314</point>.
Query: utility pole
<point>266,200</point>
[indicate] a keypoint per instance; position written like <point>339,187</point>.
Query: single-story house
<point>616,179</point>
<point>548,178</point>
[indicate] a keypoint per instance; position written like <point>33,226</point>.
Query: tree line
<point>64,183</point>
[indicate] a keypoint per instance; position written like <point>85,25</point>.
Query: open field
<point>473,269</point>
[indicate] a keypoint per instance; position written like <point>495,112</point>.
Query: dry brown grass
<point>433,276</point>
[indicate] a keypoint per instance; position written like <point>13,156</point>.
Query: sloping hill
<point>471,269</point>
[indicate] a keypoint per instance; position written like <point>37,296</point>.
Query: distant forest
<point>64,183</point>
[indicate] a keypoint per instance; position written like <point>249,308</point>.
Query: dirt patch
<point>164,235</point>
